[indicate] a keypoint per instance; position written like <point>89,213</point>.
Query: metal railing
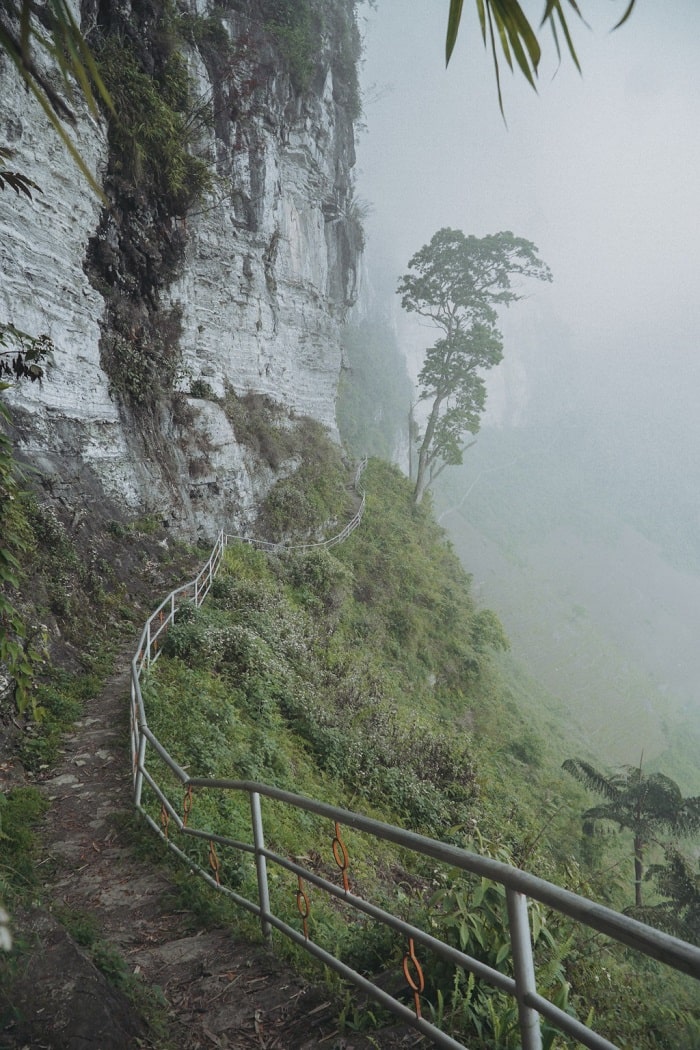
<point>305,548</point>
<point>519,886</point>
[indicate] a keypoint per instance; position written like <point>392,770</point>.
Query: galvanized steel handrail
<point>520,886</point>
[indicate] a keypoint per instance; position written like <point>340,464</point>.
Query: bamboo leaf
<point>557,9</point>
<point>626,15</point>
<point>503,35</point>
<point>68,143</point>
<point>524,61</point>
<point>482,18</point>
<point>495,62</point>
<point>526,34</point>
<point>453,21</point>
<point>84,66</point>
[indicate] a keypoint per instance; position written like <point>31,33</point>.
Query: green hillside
<point>368,676</point>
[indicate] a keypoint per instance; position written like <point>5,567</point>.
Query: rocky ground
<point>211,989</point>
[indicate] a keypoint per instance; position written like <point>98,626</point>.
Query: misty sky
<point>599,170</point>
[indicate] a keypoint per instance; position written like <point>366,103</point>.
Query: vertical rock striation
<point>167,293</point>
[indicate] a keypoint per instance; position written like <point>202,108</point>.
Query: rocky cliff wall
<point>154,298</point>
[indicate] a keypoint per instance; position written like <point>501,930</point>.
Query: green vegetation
<point>647,804</point>
<point>15,652</point>
<point>263,426</point>
<point>298,28</point>
<point>155,177</point>
<point>505,27</point>
<point>70,610</point>
<point>311,491</point>
<point>365,676</point>
<point>295,27</point>
<point>457,283</point>
<point>154,128</point>
<point>20,811</point>
<point>676,881</point>
<point>21,357</point>
<point>315,495</point>
<point>144,366</point>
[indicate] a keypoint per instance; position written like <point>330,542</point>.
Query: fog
<point>600,170</point>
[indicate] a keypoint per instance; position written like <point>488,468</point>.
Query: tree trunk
<point>426,454</point>
<point>638,870</point>
<point>421,483</point>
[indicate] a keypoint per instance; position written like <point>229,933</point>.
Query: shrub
<point>202,389</point>
<point>151,132</point>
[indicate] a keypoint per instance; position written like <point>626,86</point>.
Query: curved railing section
<point>332,541</point>
<point>153,765</point>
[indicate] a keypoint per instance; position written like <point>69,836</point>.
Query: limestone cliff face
<point>242,290</point>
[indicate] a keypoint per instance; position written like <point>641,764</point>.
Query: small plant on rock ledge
<point>200,388</point>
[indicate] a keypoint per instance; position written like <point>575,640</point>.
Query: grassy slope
<point>366,677</point>
<point>376,646</point>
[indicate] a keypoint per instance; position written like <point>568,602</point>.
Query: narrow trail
<point>220,992</point>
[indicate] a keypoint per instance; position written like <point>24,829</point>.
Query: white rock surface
<point>260,299</point>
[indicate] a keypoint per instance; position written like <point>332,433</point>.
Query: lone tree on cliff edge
<point>457,282</point>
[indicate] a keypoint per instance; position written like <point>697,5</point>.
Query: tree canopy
<point>643,803</point>
<point>457,282</point>
<point>678,881</point>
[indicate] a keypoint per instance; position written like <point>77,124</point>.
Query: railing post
<point>140,760</point>
<point>523,969</point>
<point>260,864</point>
<point>134,730</point>
<point>148,642</point>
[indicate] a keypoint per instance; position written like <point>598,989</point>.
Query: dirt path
<point>217,992</point>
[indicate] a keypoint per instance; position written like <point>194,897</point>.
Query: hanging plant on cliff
<point>153,131</point>
<point>14,180</point>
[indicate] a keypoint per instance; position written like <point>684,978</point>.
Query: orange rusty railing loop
<point>303,907</point>
<point>214,862</point>
<point>417,983</point>
<point>164,818</point>
<point>187,805</point>
<point>341,857</point>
